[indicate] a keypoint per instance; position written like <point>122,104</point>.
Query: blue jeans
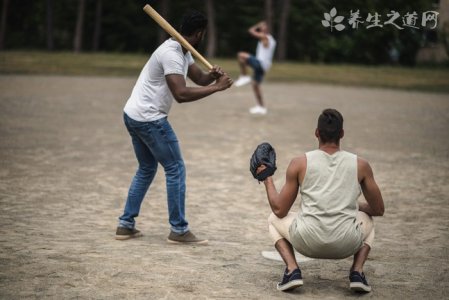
<point>156,142</point>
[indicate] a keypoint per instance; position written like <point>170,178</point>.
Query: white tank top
<point>265,54</point>
<point>326,226</point>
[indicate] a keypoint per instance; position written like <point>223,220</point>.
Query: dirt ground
<point>66,162</point>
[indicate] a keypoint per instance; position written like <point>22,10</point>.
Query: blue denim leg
<point>259,72</point>
<point>144,176</point>
<point>168,153</point>
<point>161,142</point>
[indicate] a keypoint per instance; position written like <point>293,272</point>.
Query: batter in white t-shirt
<point>162,79</point>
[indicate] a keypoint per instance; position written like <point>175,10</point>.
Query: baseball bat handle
<point>175,34</point>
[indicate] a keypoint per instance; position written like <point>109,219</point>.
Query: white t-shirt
<point>151,99</point>
<point>265,54</point>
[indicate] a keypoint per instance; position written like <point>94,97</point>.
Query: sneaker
<point>290,281</point>
<point>242,80</point>
<point>358,282</point>
<point>124,233</point>
<point>258,110</point>
<point>185,238</point>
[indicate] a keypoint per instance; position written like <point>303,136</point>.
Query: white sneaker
<point>242,80</point>
<point>258,110</point>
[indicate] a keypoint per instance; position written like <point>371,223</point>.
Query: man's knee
<point>367,225</point>
<point>242,56</point>
<point>175,169</point>
<point>365,220</point>
<point>272,218</point>
<point>272,230</point>
<point>146,171</point>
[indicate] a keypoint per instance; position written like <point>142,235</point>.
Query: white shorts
<point>279,228</point>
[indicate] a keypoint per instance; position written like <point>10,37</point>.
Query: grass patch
<point>113,64</point>
<point>66,63</point>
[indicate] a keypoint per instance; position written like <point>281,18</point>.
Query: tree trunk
<point>211,32</point>
<point>97,28</point>
<point>78,39</point>
<point>282,33</point>
<point>269,14</point>
<point>49,25</point>
<point>161,34</point>
<point>444,23</point>
<point>3,23</point>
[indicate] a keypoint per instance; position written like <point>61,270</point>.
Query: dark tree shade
<point>282,33</point>
<point>97,26</point>
<point>3,22</point>
<point>78,37</point>
<point>211,32</point>
<point>50,44</point>
<point>122,26</point>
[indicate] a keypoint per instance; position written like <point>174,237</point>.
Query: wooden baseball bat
<point>175,34</point>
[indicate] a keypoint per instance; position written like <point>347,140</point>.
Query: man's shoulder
<point>169,56</point>
<point>271,38</point>
<point>298,166</point>
<point>299,162</point>
<point>263,36</point>
<point>362,162</point>
<point>363,167</point>
<point>312,153</point>
<point>169,47</point>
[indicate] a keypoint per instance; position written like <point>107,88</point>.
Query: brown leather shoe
<point>185,238</point>
<point>123,233</point>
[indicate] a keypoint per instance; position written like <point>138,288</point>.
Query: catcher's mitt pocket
<point>263,155</point>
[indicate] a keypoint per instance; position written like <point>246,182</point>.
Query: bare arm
<point>182,93</point>
<point>255,32</point>
<point>203,78</point>
<point>374,205</point>
<point>281,203</point>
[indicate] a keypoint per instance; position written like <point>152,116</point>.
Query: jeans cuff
<point>126,224</point>
<point>178,230</point>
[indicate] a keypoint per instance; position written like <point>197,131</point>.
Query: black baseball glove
<point>263,155</point>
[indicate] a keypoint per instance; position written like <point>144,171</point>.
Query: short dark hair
<point>330,125</point>
<point>192,21</point>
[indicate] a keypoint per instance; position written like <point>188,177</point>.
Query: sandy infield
<point>66,163</point>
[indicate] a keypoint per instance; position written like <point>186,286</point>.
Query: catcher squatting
<point>331,223</point>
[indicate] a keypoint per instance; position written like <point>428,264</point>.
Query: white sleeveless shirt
<point>326,226</point>
<point>265,54</point>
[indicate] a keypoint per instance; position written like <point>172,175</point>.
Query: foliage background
<point>126,28</point>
